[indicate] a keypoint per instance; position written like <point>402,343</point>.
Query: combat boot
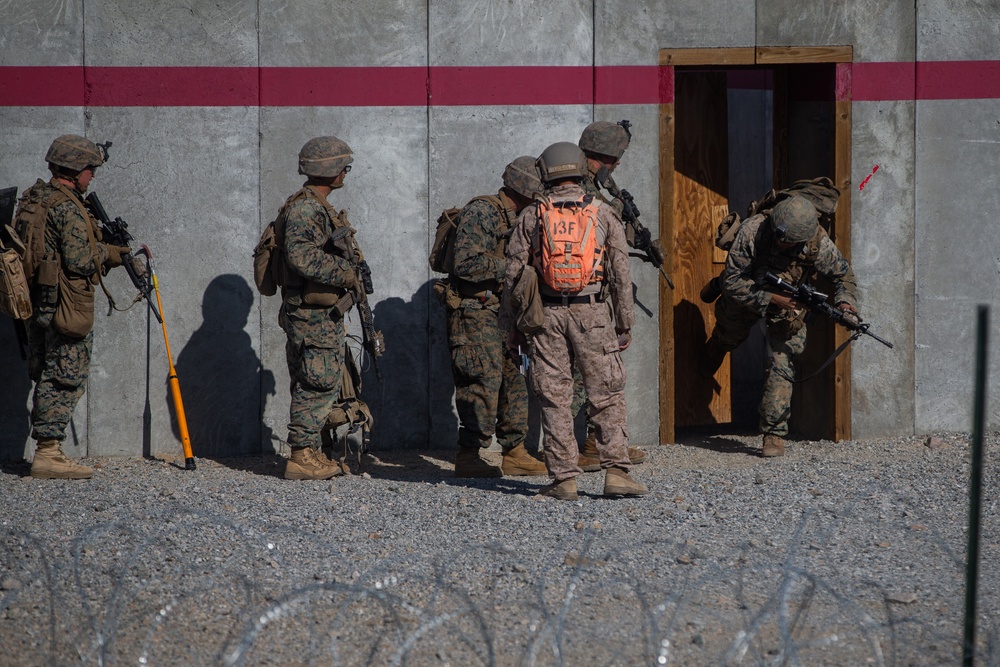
<point>327,461</point>
<point>617,482</point>
<point>50,463</point>
<point>304,464</point>
<point>590,460</point>
<point>564,490</point>
<point>470,463</point>
<point>773,445</point>
<point>517,462</point>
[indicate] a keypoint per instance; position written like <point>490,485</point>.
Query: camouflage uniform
<point>60,364</point>
<point>314,350</point>
<point>490,394</point>
<point>582,334</point>
<point>743,303</point>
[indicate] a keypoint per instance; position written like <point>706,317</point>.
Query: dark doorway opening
<point>734,132</point>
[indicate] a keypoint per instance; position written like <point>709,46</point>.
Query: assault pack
<point>268,267</point>
<point>568,256</point>
<point>442,256</point>
<point>819,191</point>
<point>15,296</point>
<point>23,243</point>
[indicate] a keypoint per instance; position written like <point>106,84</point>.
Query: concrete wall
<point>197,183</point>
<point>956,202</point>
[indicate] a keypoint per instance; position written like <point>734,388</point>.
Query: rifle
<point>371,339</point>
<point>115,232</point>
<point>643,241</point>
<point>816,302</point>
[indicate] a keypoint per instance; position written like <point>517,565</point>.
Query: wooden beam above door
<point>760,55</point>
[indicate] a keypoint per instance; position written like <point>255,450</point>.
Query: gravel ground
<point>837,554</point>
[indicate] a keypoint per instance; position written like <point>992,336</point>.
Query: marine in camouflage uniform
<point>74,259</point>
<point>491,396</point>
<point>791,244</point>
<point>588,328</point>
<point>604,143</point>
<point>314,278</point>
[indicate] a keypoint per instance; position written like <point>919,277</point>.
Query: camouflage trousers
<point>314,352</point>
<point>786,335</point>
<point>491,396</point>
<point>582,335</point>
<point>59,367</point>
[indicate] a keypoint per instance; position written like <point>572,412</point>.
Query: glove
<point>139,267</point>
<point>656,250</point>
<point>115,253</point>
<point>516,339</point>
<point>851,316</point>
<point>624,339</point>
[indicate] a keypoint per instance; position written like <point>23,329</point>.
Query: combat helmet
<point>794,220</point>
<point>605,138</point>
<point>324,157</point>
<point>74,153</point>
<point>521,176</point>
<point>562,160</point>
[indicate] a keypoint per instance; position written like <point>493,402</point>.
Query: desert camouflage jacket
<point>617,272</point>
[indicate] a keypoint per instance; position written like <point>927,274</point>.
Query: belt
<point>567,300</point>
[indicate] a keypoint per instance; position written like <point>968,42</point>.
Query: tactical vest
<point>288,278</point>
<point>68,300</point>
<point>794,269</point>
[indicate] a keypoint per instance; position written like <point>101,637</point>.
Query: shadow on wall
<point>222,381</point>
<point>16,391</point>
<point>411,407</point>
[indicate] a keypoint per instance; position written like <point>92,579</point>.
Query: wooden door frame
<point>840,232</point>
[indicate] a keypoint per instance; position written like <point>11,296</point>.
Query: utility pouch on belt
<point>446,294</point>
<point>74,316</point>
<point>318,294</point>
<point>526,302</point>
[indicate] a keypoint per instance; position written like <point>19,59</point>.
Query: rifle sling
<point>836,353</point>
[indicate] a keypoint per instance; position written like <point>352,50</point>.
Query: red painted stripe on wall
<point>444,86</point>
<point>171,86</point>
<point>343,86</point>
<point>882,82</point>
<point>41,86</point>
<point>964,80</point>
<point>633,84</point>
<point>472,86</point>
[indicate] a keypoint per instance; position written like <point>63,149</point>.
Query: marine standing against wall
<point>791,244</point>
<point>490,394</point>
<point>315,276</point>
<point>60,330</point>
<point>589,326</point>
<point>604,144</point>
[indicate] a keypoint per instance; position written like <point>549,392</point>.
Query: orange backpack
<point>568,256</point>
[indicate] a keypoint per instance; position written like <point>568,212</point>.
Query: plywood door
<point>701,184</point>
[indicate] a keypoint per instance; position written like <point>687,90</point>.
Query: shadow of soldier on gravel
<point>14,413</point>
<point>223,383</point>
<point>719,438</point>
